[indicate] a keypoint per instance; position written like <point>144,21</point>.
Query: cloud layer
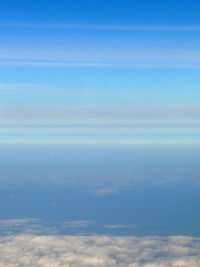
<point>101,124</point>
<point>102,114</point>
<point>32,250</point>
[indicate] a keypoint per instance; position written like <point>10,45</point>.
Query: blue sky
<point>148,12</point>
<point>99,132</point>
<point>100,54</point>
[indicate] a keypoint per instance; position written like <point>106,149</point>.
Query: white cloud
<point>36,247</point>
<point>33,250</point>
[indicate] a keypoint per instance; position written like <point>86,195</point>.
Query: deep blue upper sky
<point>99,52</point>
<point>167,12</point>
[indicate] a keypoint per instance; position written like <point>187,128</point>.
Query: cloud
<point>53,63</point>
<point>70,54</point>
<point>97,250</point>
<point>96,64</point>
<point>12,86</point>
<point>119,226</point>
<point>77,224</point>
<point>33,226</point>
<point>103,119</point>
<point>123,115</point>
<point>34,248</point>
<point>105,191</point>
<point>105,27</point>
<point>98,124</point>
<point>106,56</point>
<point>40,227</point>
<point>18,221</point>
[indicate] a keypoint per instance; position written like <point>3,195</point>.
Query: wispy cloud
<point>36,226</point>
<point>22,86</point>
<point>48,63</point>
<point>105,27</point>
<point>119,226</point>
<point>132,57</point>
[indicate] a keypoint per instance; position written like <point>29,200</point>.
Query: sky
<point>97,55</point>
<point>99,133</point>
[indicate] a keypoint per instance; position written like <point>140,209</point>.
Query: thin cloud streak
<point>22,86</point>
<point>96,142</point>
<point>65,26</point>
<point>46,63</point>
<point>101,57</point>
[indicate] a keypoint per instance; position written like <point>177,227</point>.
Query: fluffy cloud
<point>52,250</point>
